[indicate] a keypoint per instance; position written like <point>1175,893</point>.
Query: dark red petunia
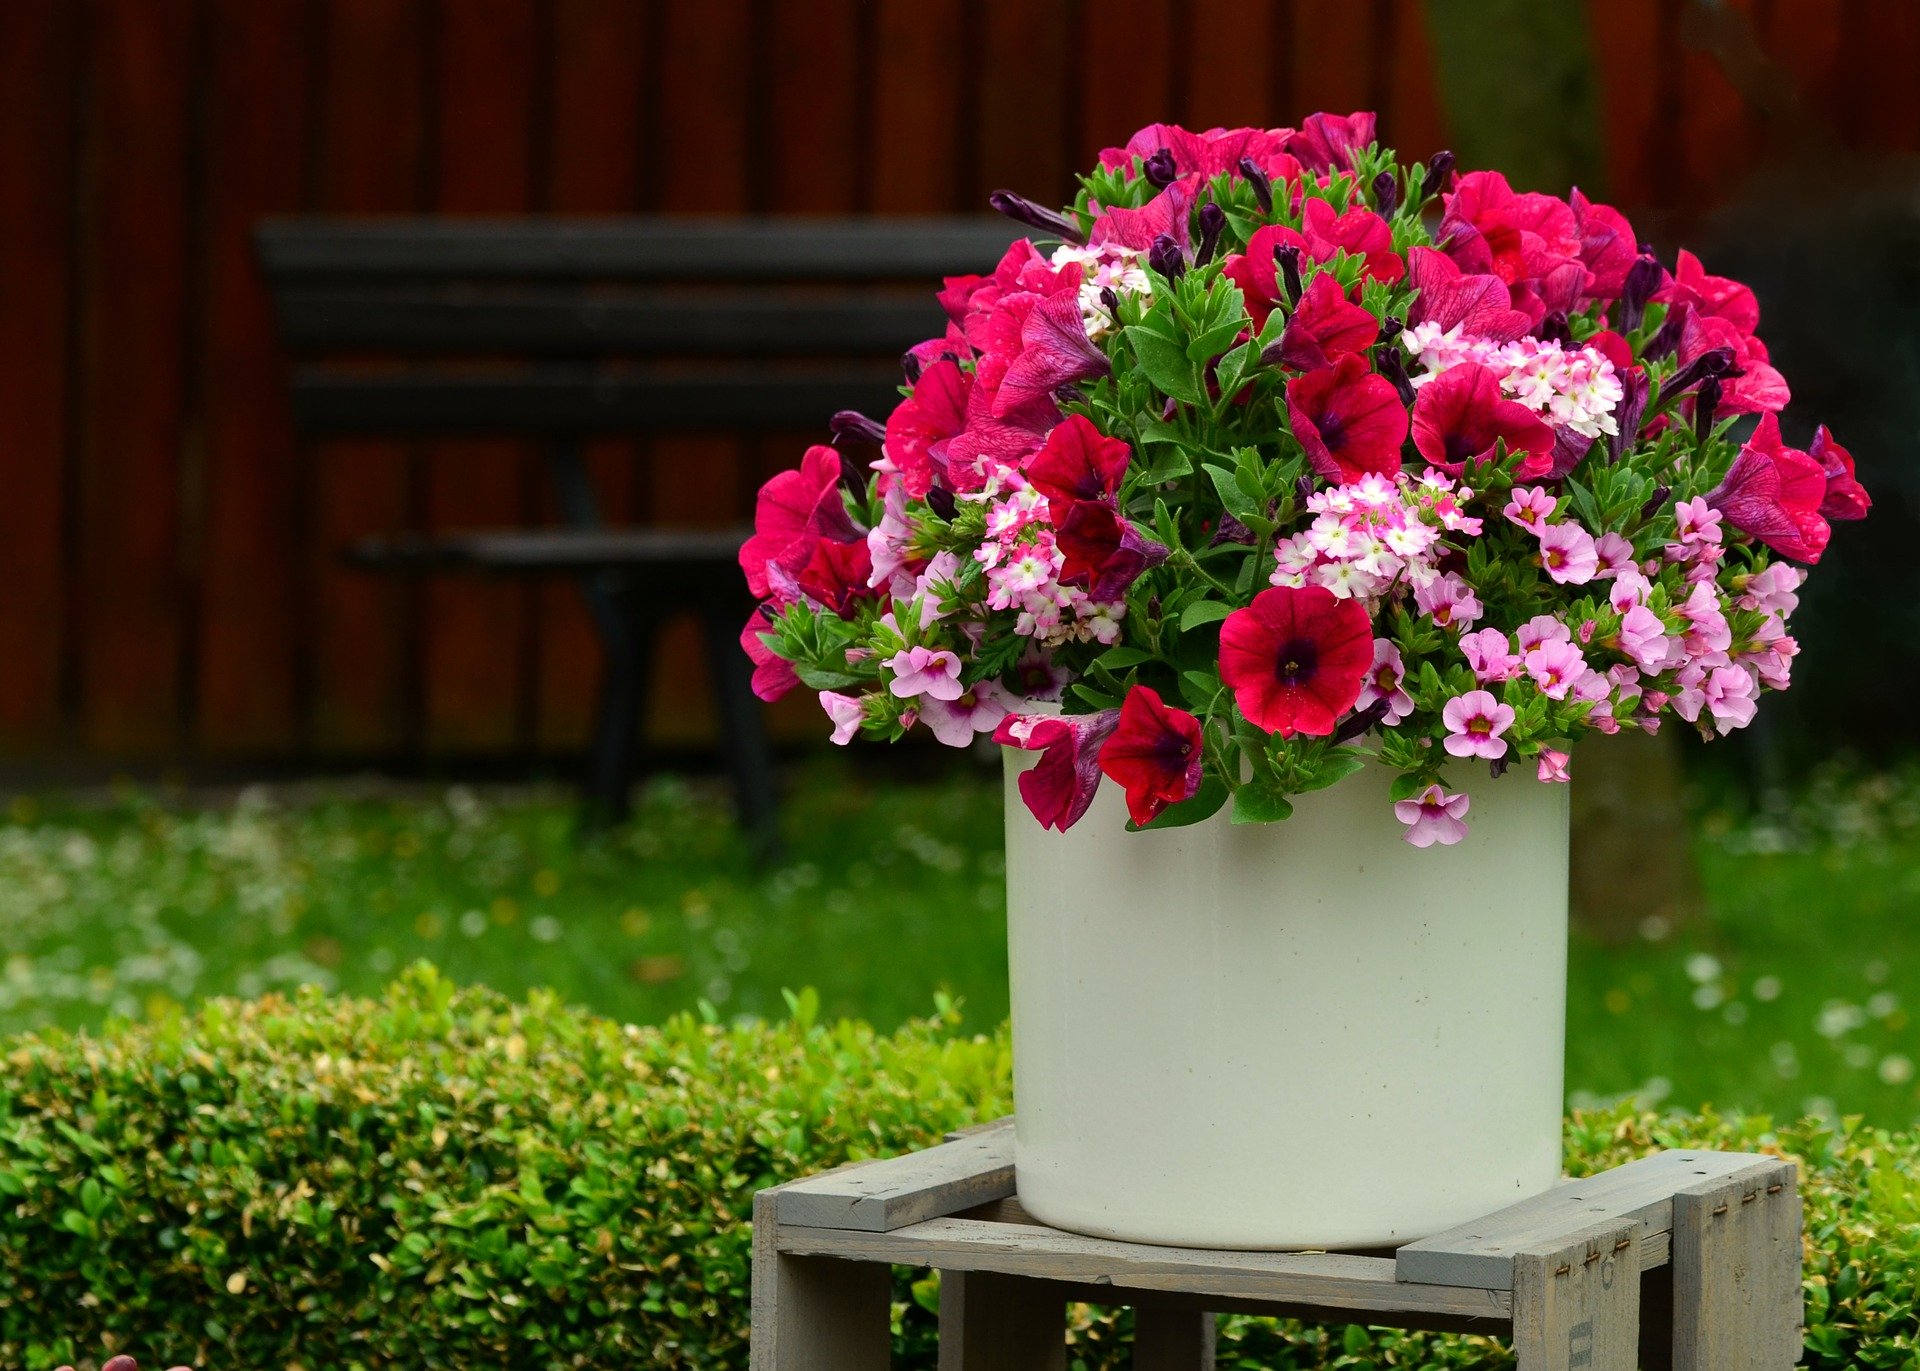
<point>1296,658</point>
<point>1480,303</point>
<point>1078,462</point>
<point>1773,493</point>
<point>1846,498</point>
<point>1255,271</point>
<point>1060,786</point>
<point>1054,351</point>
<point>794,511</point>
<point>1155,754</point>
<point>837,573</point>
<point>1460,414</point>
<point>1349,420</point>
<point>1608,246</point>
<point>1325,327</point>
<point>1100,548</point>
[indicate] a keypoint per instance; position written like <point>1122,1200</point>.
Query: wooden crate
<point>1689,1260</point>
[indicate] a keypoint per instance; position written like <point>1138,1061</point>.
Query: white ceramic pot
<point>1307,1034</point>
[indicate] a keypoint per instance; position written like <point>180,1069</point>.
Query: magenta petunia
<point>1846,498</point>
<point>1078,462</point>
<point>1137,228</point>
<point>1296,658</point>
<point>1155,754</point>
<point>1325,327</point>
<point>1480,303</point>
<point>1460,415</point>
<point>773,676</point>
<point>794,511</point>
<point>1608,246</point>
<point>1773,493</point>
<point>1054,351</point>
<point>1758,388</point>
<point>1059,787</point>
<point>1327,142</point>
<point>1349,420</point>
<point>1358,231</point>
<point>1518,236</point>
<point>921,425</point>
<point>1711,296</point>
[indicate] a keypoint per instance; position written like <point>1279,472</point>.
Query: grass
<point>1787,998</point>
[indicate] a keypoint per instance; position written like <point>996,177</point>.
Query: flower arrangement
<point>1270,455</point>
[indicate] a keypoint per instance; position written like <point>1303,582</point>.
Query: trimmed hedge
<point>446,1178</point>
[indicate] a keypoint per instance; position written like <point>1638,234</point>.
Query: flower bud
<point>1713,362</point>
<point>1667,338</point>
<point>911,366</point>
<point>1024,211</point>
<point>1643,278</point>
<point>1554,329</point>
<point>1262,184</point>
<point>1213,220</point>
<point>1498,766</point>
<point>1166,258</point>
<point>1110,302</point>
<point>1653,505</point>
<point>850,425</point>
<point>1386,194</point>
<point>1391,362</point>
<point>940,500</point>
<point>1628,413</point>
<point>1359,722</point>
<point>1705,401</point>
<point>1287,258</point>
<point>1160,170</point>
<point>1439,168</point>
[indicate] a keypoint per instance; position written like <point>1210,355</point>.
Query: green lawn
<point>1788,998</point>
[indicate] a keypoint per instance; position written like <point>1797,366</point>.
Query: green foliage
<point>443,1177</point>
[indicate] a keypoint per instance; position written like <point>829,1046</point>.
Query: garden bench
<point>1684,1259</point>
<point>560,330</point>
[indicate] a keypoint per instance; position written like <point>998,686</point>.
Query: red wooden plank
<point>370,150</point>
<point>1126,71</point>
<point>1412,118</point>
<point>1883,47</point>
<point>921,106</point>
<point>1229,57</point>
<point>704,73</point>
<point>476,632</point>
<point>1719,128</point>
<point>1026,118</point>
<point>813,122</point>
<point>1635,66</point>
<point>1803,37</point>
<point>135,247</point>
<point>38,69</point>
<point>1333,47</point>
<point>593,160</point>
<point>257,88</point>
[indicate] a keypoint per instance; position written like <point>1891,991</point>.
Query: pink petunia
<point>1530,507</point>
<point>1474,723</point>
<point>1567,552</point>
<point>846,711</point>
<point>1433,816</point>
<point>1058,789</point>
<point>1490,656</point>
<point>917,671</point>
<point>1555,667</point>
<point>1386,684</point>
<point>1773,493</point>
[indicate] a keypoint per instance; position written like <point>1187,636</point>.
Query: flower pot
<point>1307,1034</point>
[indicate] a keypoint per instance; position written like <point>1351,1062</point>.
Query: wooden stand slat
<point>1687,1259</point>
<point>1000,1323</point>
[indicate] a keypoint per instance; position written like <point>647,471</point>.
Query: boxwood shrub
<point>443,1177</point>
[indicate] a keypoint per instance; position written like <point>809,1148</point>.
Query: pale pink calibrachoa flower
<point>1448,602</point>
<point>1433,816</point>
<point>846,713</point>
<point>978,709</point>
<point>1568,553</point>
<point>1696,521</point>
<point>1384,684</point>
<point>1474,723</point>
<point>1553,765</point>
<point>1555,665</point>
<point>1643,637</point>
<point>934,673</point>
<point>1490,655</point>
<point>1530,507</point>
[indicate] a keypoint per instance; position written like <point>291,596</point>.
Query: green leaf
<point>1214,341</point>
<point>1406,785</point>
<point>818,678</point>
<point>1237,501</point>
<point>1207,801</point>
<point>1334,768</point>
<point>1121,657</point>
<point>1203,612</point>
<point>1099,699</point>
<point>1257,804</point>
<point>1199,686</point>
<point>1165,363</point>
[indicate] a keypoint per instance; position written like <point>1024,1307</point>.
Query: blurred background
<point>174,613</point>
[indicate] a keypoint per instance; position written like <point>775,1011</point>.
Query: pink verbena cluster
<point>1376,533</point>
<point>1571,387</point>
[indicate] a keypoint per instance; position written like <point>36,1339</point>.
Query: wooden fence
<point>167,582</point>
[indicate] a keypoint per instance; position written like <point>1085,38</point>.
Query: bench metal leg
<point>1737,1292</point>
<point>1000,1323</point>
<point>1172,1339</point>
<point>627,648</point>
<point>743,730</point>
<point>816,1313</point>
<point>1576,1304</point>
